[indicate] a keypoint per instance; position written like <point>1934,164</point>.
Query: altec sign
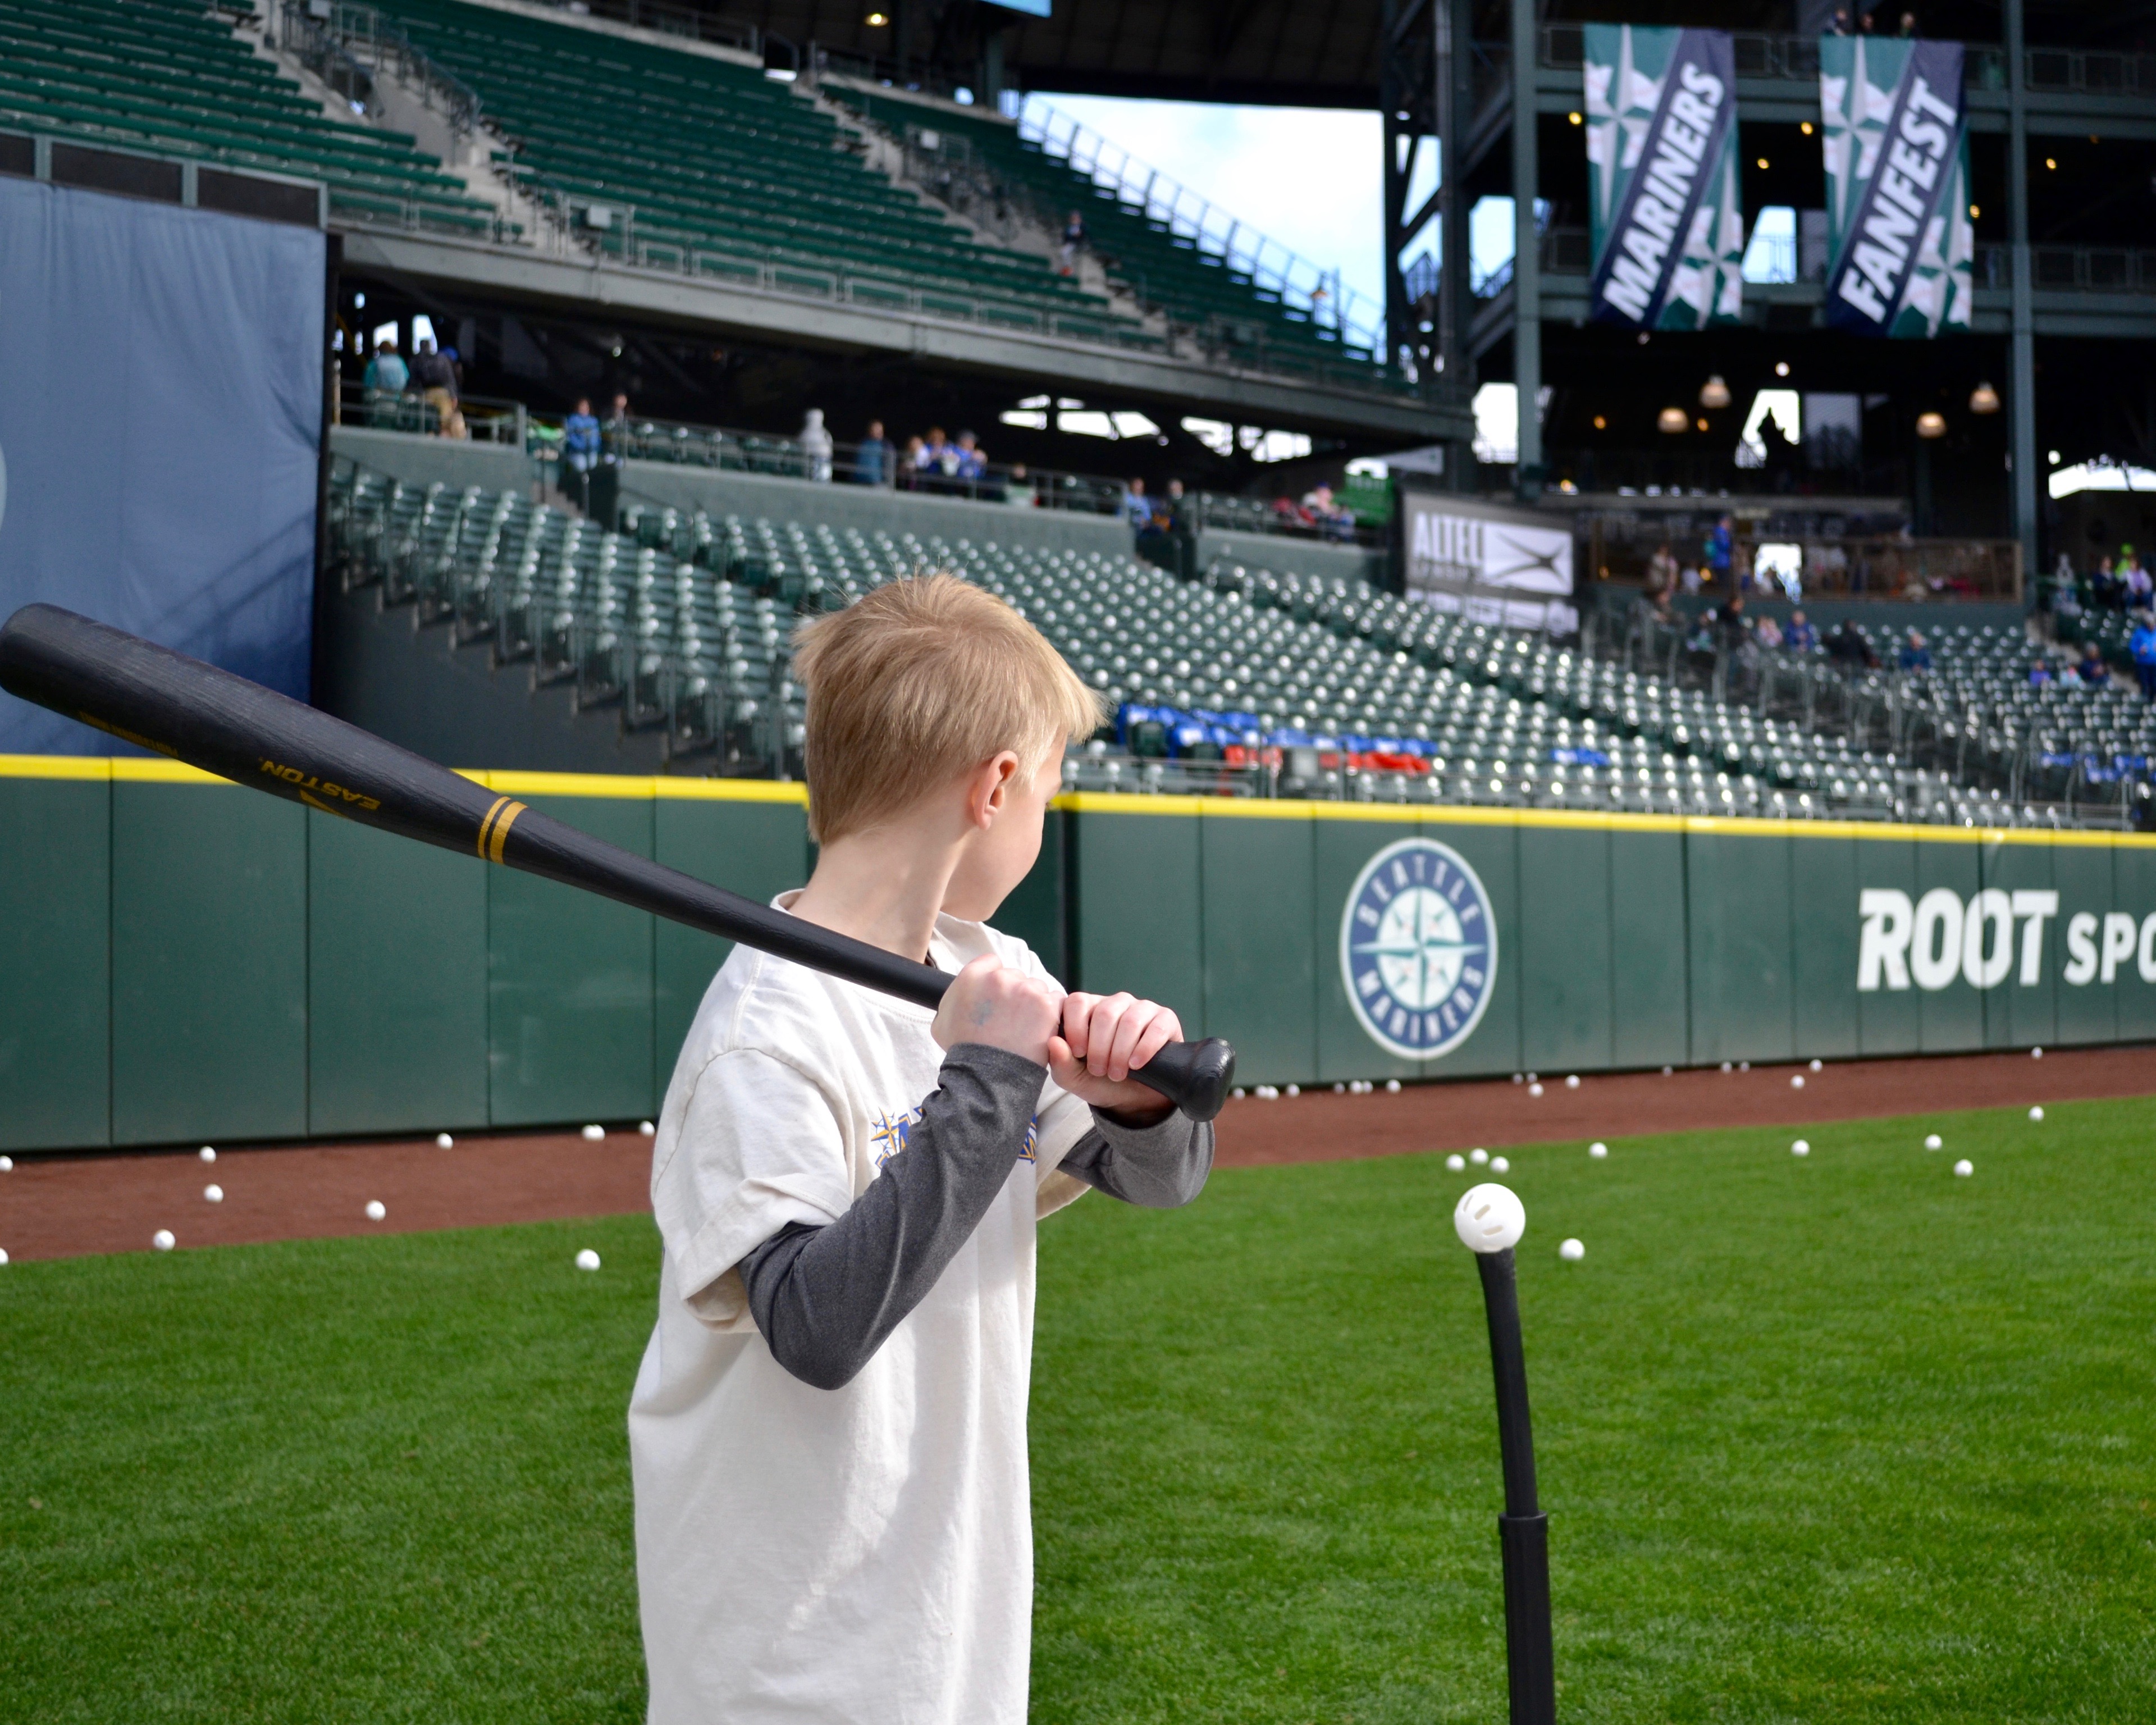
<point>1933,940</point>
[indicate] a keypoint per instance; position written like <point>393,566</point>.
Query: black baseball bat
<point>164,701</point>
<point>1524,1530</point>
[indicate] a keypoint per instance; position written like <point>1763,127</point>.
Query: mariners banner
<point>1667,223</point>
<point>1899,237</point>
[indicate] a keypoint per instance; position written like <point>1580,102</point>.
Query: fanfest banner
<point>1899,237</point>
<point>1509,567</point>
<point>1665,214</point>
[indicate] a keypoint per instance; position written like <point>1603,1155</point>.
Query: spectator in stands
<point>1182,530</point>
<point>615,432</point>
<point>1720,551</point>
<point>2039,674</point>
<point>816,447</point>
<point>1074,243</point>
<point>580,451</point>
<point>2134,585</point>
<point>912,464</point>
<point>1908,24</point>
<point>384,381</point>
<point>1838,25</point>
<point>872,457</point>
<point>2103,584</point>
<point>1135,508</point>
<point>1661,570</point>
<point>969,465</point>
<point>938,460</point>
<point>1768,634</point>
<point>435,374</point>
<point>1915,655</point>
<point>1799,637</point>
<point>1327,517</point>
<point>1019,489</point>
<point>1847,646</point>
<point>2141,645</point>
<point>2093,672</point>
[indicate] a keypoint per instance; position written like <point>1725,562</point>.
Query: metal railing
<point>486,419</point>
<point>2071,269</point>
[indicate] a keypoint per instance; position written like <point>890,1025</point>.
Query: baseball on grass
<point>1456,1163</point>
<point>376,1210</point>
<point>1801,1149</point>
<point>2037,1113</point>
<point>207,1154</point>
<point>1498,1165</point>
<point>3,1256</point>
<point>2036,1054</point>
<point>1391,1087</point>
<point>1932,1141</point>
<point>587,1258</point>
<point>1478,1156</point>
<point>443,1141</point>
<point>1964,1168</point>
<point>1488,1219</point>
<point>1534,1090</point>
<point>163,1240</point>
<point>1597,1150</point>
<point>1293,1090</point>
<point>1571,1080</point>
<point>215,1194</point>
<point>1815,1066</point>
<point>592,1134</point>
<point>1571,1250</point>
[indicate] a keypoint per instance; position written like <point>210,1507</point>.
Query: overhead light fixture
<point>2051,162</point>
<point>1601,424</point>
<point>1983,399</point>
<point>2053,454</point>
<point>1714,393</point>
<point>1805,127</point>
<point>1671,420</point>
<point>877,20</point>
<point>1762,161</point>
<point>1931,424</point>
<point>1781,368</point>
<point>1574,118</point>
<point>1702,422</point>
<point>1973,212</point>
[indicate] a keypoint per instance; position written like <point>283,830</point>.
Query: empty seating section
<point>168,76</point>
<point>726,171</point>
<point>2056,741</point>
<point>1196,289</point>
<point>1246,683</point>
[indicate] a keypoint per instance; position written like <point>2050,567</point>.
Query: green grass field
<point>1841,1439</point>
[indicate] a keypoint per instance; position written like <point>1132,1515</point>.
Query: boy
<point>828,1432</point>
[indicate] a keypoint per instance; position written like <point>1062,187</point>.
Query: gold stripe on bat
<point>487,820</point>
<point>501,827</point>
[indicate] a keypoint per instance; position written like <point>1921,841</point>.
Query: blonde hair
<point>915,684</point>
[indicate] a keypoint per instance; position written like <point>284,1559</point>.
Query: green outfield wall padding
<point>1650,989</point>
<point>1135,882</point>
<point>1823,947</point>
<point>1034,912</point>
<point>397,983</point>
<point>1743,996</point>
<point>570,989</point>
<point>55,962</point>
<point>189,963</point>
<point>1259,942</point>
<point>758,849</point>
<point>209,964</point>
<point>1567,963</point>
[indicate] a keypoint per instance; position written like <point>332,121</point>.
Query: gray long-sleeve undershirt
<point>826,1296</point>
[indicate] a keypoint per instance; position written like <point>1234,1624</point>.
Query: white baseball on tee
<point>856,1553</point>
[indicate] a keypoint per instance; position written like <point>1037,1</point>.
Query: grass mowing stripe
<point>1838,1439</point>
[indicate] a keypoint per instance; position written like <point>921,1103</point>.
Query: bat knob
<point>1193,1075</point>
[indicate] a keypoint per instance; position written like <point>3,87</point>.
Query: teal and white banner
<point>1899,237</point>
<point>1664,212</point>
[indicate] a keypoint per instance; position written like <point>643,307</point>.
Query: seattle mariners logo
<point>1418,949</point>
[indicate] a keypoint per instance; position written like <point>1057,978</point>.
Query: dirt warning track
<point>66,1206</point>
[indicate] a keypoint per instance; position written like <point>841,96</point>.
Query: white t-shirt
<point>857,1555</point>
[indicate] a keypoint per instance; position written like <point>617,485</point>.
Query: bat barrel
<point>174,705</point>
<point>1524,1530</point>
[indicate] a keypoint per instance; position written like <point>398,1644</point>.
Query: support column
<point>2021,388</point>
<point>1452,72</point>
<point>1527,252</point>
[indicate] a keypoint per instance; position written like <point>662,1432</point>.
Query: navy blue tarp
<point>161,376</point>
